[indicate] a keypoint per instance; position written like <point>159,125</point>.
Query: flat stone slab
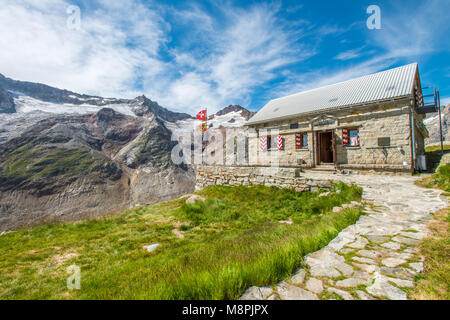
<point>392,245</point>
<point>324,271</point>
<point>299,276</point>
<point>350,282</point>
<point>361,275</point>
<point>382,288</point>
<point>326,263</point>
<point>365,267</point>
<point>408,241</point>
<point>257,293</point>
<point>314,285</point>
<point>398,272</point>
<point>392,262</point>
<point>365,260</point>
<point>360,243</point>
<point>343,294</point>
<point>378,239</point>
<point>290,292</point>
<point>363,296</point>
<point>417,266</point>
<point>369,254</point>
<point>414,235</point>
<point>400,282</point>
<point>346,269</point>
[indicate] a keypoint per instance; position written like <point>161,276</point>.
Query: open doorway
<point>325,154</point>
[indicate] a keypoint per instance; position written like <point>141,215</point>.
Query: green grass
<point>32,163</point>
<point>435,148</point>
<point>231,241</point>
<point>433,154</point>
<point>434,283</point>
<point>441,179</point>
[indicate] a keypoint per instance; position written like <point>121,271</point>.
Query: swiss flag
<point>201,115</point>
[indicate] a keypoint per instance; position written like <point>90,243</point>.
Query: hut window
<point>272,143</point>
<point>275,143</point>
<point>350,137</point>
<point>301,141</point>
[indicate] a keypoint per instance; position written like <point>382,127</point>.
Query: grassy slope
<point>232,241</point>
<point>42,162</point>
<point>441,178</point>
<point>433,154</point>
<point>434,283</point>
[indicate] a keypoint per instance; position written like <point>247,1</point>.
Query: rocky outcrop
<point>143,106</point>
<point>432,124</point>
<point>68,156</point>
<point>71,167</point>
<point>6,102</point>
<point>246,114</point>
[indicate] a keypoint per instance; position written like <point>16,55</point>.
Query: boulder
<point>194,198</point>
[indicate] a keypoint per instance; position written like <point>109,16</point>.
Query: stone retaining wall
<point>268,176</point>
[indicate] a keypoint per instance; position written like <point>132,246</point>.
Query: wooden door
<point>333,137</point>
<point>318,148</point>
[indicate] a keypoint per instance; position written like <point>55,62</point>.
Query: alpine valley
<point>67,156</point>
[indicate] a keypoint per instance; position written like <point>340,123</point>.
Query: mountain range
<point>67,156</point>
<point>432,124</point>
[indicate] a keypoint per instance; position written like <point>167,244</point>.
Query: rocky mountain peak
<point>246,114</point>
<point>143,106</point>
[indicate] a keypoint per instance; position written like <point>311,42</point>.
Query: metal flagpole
<point>438,100</point>
<point>437,103</point>
<point>206,128</point>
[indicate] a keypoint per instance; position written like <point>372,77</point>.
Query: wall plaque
<point>384,142</point>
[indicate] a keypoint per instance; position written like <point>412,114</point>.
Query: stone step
<point>323,167</point>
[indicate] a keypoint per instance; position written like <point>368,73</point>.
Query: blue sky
<point>192,54</point>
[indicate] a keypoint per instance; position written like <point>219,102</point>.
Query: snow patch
<point>25,104</point>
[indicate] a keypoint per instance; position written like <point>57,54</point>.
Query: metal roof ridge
<point>333,84</point>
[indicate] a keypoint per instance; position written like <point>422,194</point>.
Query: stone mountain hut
<point>369,123</point>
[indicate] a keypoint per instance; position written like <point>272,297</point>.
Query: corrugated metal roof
<point>383,85</point>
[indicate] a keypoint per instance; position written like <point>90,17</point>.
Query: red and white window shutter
<point>419,97</point>
<point>345,136</point>
<point>298,141</point>
<point>263,143</point>
<point>280,142</point>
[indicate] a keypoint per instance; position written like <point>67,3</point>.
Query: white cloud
<point>413,30</point>
<point>118,49</point>
<point>125,48</point>
<point>38,46</point>
<point>349,54</point>
<point>408,34</point>
<point>246,51</point>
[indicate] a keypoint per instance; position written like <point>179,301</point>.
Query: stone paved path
<point>376,258</point>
